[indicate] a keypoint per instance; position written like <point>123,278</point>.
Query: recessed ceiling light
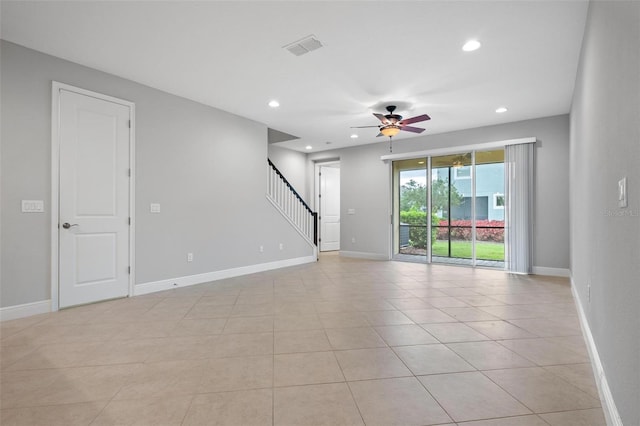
<point>471,45</point>
<point>501,110</point>
<point>420,162</point>
<point>308,147</point>
<point>354,136</point>
<point>274,104</point>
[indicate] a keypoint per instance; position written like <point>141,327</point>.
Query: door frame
<point>56,88</point>
<point>316,199</point>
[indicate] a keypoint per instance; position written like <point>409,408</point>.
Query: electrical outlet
<point>281,246</point>
<point>261,249</point>
<point>189,257</point>
<point>353,240</point>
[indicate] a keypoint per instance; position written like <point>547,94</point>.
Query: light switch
<point>32,206</point>
<point>622,192</point>
<point>351,211</point>
<point>154,208</point>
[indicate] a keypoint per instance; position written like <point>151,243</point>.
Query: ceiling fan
<point>393,123</point>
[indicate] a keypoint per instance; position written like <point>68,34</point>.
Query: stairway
<point>291,205</point>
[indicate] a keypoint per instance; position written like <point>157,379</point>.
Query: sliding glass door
<point>452,206</point>
<point>450,209</point>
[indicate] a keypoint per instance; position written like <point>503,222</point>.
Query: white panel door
<point>329,208</point>
<point>93,199</point>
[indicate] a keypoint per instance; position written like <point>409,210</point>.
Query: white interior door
<point>329,208</point>
<point>94,225</point>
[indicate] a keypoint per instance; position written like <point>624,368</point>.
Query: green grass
<point>484,250</point>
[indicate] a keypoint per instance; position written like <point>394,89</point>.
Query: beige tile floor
<point>338,342</point>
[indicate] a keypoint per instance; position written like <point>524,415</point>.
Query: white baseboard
<point>609,407</point>
<point>152,287</point>
<point>364,255</point>
<point>552,272</point>
<point>26,310</point>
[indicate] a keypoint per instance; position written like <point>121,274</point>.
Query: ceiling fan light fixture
<point>390,130</point>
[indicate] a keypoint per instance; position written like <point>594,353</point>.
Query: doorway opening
<point>327,184</point>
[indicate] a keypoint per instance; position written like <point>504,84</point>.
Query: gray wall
<point>365,185</point>
<point>292,164</point>
<point>211,185</point>
<point>605,240</point>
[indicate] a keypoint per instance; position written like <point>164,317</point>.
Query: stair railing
<point>284,196</point>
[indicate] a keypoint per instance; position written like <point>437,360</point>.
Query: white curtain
<point>518,162</point>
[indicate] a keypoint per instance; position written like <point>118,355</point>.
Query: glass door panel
<point>489,193</point>
<point>411,181</point>
<point>451,195</point>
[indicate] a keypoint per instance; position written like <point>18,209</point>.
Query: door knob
<point>67,225</point>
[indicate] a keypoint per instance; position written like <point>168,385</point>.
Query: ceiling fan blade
<point>423,117</point>
<point>361,127</point>
<point>382,118</point>
<point>412,129</point>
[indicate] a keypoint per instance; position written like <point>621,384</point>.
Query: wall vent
<point>303,46</point>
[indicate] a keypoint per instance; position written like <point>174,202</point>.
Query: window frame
<point>455,173</point>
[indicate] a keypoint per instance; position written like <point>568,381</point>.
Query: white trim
<point>552,272</point>
<point>56,87</point>
<point>25,310</point>
<point>391,212</point>
<point>364,255</point>
<point>609,408</point>
<point>316,198</point>
<point>152,287</point>
<point>55,190</point>
<point>429,209</point>
<point>474,196</point>
<point>457,149</point>
<point>132,197</point>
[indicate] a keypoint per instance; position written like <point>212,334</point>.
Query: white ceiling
<point>229,55</point>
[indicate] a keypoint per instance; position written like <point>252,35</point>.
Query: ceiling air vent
<point>306,45</point>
